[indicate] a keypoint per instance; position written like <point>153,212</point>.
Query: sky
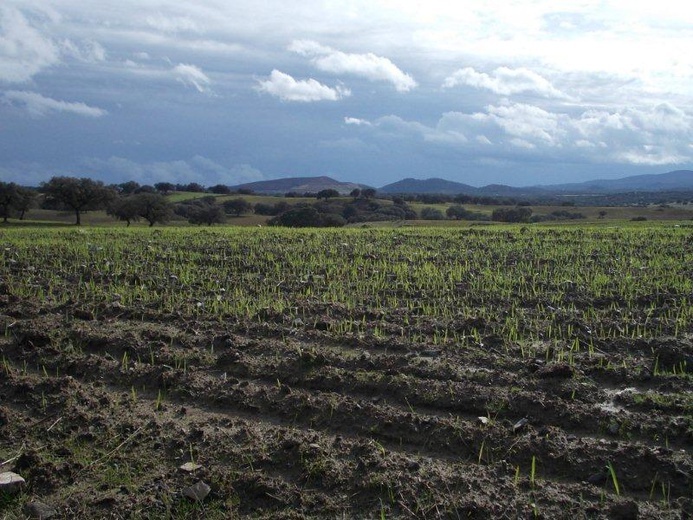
<point>371,91</point>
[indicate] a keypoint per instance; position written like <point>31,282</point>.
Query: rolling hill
<point>671,181</point>
<point>676,180</point>
<point>299,185</point>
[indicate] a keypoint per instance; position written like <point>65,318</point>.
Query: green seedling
<point>614,478</point>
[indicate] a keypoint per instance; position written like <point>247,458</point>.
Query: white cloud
<point>308,48</point>
<point>529,122</point>
<point>38,105</point>
<point>24,51</point>
<point>666,117</point>
<point>287,88</point>
<point>659,135</point>
<point>356,121</point>
<point>504,81</point>
<point>369,66</point>
<point>604,82</point>
<point>192,76</point>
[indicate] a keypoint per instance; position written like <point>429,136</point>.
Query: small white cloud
<point>369,66</point>
<point>287,88</point>
<point>308,48</point>
<point>192,76</point>
<point>584,143</point>
<point>521,143</point>
<point>652,157</point>
<point>505,81</point>
<point>38,105</point>
<point>356,121</point>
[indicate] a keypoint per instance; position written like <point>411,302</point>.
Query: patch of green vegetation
<point>569,287</point>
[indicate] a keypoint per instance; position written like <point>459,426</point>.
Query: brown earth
<point>287,420</point>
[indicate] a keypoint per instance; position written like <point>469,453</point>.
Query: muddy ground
<point>125,394</point>
<point>283,421</point>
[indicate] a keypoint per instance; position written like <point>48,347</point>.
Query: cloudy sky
<point>216,91</point>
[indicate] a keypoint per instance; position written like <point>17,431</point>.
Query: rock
<point>11,483</point>
<point>190,467</point>
<point>519,425</point>
<point>39,510</point>
<point>198,491</point>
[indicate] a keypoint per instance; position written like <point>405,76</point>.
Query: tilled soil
<point>394,374</point>
<point>289,422</point>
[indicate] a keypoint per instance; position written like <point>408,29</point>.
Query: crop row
<point>456,287</point>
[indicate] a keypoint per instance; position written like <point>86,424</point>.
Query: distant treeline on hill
<point>132,202</point>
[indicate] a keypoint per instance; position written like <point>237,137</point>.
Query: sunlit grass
<point>570,286</point>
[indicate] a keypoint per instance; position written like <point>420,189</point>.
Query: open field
<point>486,372</point>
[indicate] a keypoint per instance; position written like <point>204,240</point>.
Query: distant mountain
<point>671,181</point>
<point>676,180</point>
<point>681,180</point>
<point>299,185</point>
<point>445,187</point>
<point>435,185</point>
<point>501,190</point>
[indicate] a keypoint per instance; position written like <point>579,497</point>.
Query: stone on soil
<point>39,510</point>
<point>190,467</point>
<point>198,491</point>
<point>519,425</point>
<point>11,482</point>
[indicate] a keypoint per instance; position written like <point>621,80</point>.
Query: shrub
<point>237,206</point>
<point>429,213</point>
<point>307,216</point>
<point>517,214</point>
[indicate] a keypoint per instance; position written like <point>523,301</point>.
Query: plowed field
<point>474,373</point>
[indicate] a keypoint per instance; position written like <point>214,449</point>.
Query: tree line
<point>15,200</point>
<point>131,202</point>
